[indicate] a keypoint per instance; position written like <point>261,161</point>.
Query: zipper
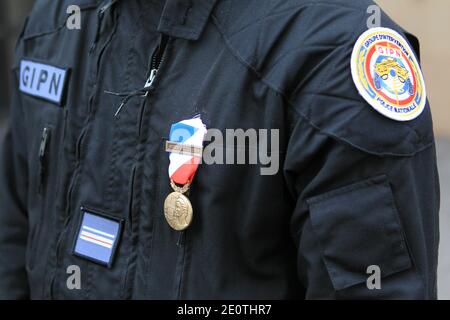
<point>158,57</point>
<point>156,61</point>
<point>100,15</point>
<point>43,158</point>
<point>47,290</point>
<point>150,80</point>
<point>107,6</point>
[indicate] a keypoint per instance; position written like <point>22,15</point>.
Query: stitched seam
<point>378,180</point>
<point>44,33</point>
<point>339,283</point>
<point>270,86</point>
<point>405,238</point>
<point>303,5</point>
<point>61,25</point>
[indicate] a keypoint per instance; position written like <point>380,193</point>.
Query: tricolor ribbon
<point>185,147</point>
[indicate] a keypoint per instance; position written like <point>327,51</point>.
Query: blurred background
<point>12,15</point>
<point>429,20</point>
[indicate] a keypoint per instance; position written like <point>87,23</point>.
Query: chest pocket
<point>46,61</point>
<point>48,53</point>
<point>45,68</point>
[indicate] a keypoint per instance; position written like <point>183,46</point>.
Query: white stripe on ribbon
<point>177,160</point>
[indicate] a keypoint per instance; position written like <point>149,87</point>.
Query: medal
<point>185,147</point>
<point>177,208</point>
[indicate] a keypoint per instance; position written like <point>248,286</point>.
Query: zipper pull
<point>150,79</point>
<point>156,61</point>
<point>147,85</point>
<point>45,138</point>
<point>107,6</point>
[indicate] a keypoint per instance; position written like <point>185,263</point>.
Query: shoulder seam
<point>61,25</point>
<point>306,4</point>
<point>261,78</point>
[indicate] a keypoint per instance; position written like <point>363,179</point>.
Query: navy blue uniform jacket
<point>354,189</point>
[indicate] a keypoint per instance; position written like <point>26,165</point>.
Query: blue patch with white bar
<point>97,238</point>
<point>42,81</point>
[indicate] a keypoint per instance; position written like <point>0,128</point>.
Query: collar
<point>185,18</point>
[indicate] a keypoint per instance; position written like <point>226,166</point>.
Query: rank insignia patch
<point>97,238</point>
<point>387,74</point>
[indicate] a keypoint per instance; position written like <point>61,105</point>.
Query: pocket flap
<point>358,226</point>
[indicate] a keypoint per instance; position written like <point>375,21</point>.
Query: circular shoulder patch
<point>387,74</point>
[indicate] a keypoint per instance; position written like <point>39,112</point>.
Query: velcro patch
<point>97,238</point>
<point>42,80</point>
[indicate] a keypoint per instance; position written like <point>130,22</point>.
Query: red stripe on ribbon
<point>185,174</point>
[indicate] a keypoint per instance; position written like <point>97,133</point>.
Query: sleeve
<point>367,193</point>
<point>357,211</point>
<point>13,203</point>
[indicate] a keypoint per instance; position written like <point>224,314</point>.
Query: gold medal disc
<point>178,211</point>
